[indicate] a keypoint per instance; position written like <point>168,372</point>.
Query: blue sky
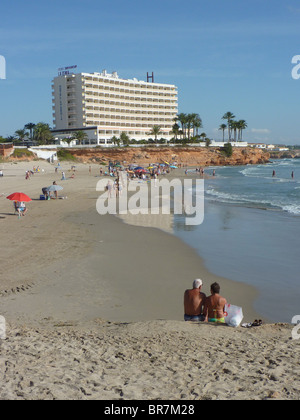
<point>232,55</point>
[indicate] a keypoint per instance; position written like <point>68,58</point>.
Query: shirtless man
<point>214,305</point>
<point>194,301</point>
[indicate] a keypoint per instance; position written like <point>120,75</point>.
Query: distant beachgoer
<point>45,192</point>
<point>20,206</point>
<point>63,176</point>
<point>1,172</point>
<point>109,189</point>
<point>194,301</point>
<point>55,192</point>
<point>215,305</point>
<point>214,173</point>
<point>292,175</point>
<point>120,187</point>
<point>274,173</point>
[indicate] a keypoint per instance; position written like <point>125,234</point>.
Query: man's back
<point>194,302</point>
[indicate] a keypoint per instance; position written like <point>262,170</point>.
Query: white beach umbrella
<point>55,188</point>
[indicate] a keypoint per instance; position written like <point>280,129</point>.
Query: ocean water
<point>251,232</point>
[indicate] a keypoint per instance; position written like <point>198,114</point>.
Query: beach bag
<point>233,315</point>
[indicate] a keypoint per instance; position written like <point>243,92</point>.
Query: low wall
<point>6,149</point>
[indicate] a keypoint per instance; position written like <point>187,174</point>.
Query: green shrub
<point>64,154</point>
<point>227,150</point>
<point>19,153</point>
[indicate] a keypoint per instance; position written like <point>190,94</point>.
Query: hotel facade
<point>104,105</point>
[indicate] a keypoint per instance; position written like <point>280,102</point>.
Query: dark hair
<point>215,288</point>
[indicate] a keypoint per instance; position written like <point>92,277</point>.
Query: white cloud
<point>260,131</point>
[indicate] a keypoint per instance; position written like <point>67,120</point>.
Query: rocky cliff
<point>189,156</point>
<point>291,154</point>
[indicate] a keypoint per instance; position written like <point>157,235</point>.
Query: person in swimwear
<point>215,305</point>
<point>194,302</point>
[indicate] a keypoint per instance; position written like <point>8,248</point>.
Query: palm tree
<point>30,127</point>
<point>197,123</point>
<point>203,136</point>
<point>155,131</point>
<point>42,133</point>
<point>234,125</point>
<point>115,140</point>
<point>223,128</point>
<point>229,117</point>
<point>68,140</point>
<point>80,136</point>
<point>242,125</point>
<point>189,124</point>
<point>182,118</point>
<point>175,130</point>
<point>21,134</point>
<point>124,138</point>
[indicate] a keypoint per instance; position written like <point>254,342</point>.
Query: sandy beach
<point>94,307</point>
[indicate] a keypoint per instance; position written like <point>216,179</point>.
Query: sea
<point>251,232</point>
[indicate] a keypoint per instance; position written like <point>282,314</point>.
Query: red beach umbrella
<point>19,197</point>
<point>141,171</point>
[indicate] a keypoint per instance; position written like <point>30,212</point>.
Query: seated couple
<point>198,307</point>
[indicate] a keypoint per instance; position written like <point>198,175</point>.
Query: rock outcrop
<point>188,156</point>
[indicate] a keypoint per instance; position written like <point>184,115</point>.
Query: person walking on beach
<point>214,307</point>
<point>109,189</point>
<point>194,301</point>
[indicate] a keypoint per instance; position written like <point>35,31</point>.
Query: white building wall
<point>114,105</point>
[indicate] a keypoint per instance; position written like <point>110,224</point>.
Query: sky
<point>233,55</point>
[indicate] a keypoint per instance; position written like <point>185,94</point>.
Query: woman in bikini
<point>215,305</point>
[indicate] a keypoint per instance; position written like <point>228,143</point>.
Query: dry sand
<point>94,308</point>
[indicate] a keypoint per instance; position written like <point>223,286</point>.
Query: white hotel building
<point>104,105</point>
